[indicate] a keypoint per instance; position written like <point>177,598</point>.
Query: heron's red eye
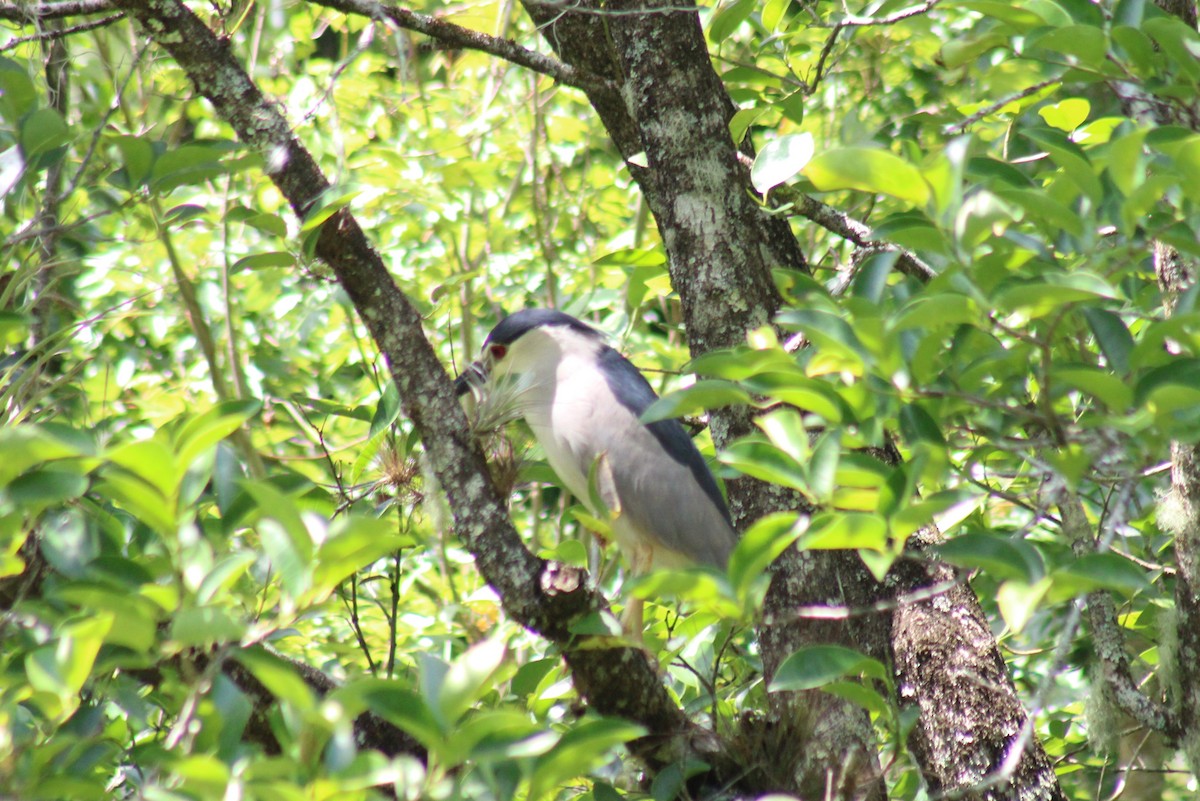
<point>498,352</point>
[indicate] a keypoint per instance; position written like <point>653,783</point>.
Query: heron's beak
<point>472,379</point>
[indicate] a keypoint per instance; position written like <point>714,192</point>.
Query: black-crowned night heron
<point>583,401</point>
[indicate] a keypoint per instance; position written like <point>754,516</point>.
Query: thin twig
<point>855,21</point>
<point>47,36</point>
<point>992,107</point>
<point>825,612</point>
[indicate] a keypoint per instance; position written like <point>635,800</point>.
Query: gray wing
<point>678,503</point>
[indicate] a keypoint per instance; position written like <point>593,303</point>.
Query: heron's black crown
<point>518,324</point>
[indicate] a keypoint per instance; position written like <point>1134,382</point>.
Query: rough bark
<point>541,595</point>
<point>971,721</point>
<point>1181,516</point>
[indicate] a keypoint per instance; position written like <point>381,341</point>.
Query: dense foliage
<point>211,499</point>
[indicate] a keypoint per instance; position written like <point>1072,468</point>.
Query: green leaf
<point>138,157</point>
<point>786,430</point>
<point>47,486</point>
<point>742,120</point>
<point>1003,557</point>
<point>939,310</point>
<point>762,543</point>
<point>1072,160</point>
<point>832,530</point>
<point>1116,343</point>
<point>43,131</point>
<point>773,13</point>
<point>1066,115</point>
<point>64,665</point>
<point>470,676</point>
<point>765,461</point>
<point>144,501</point>
<point>1019,17</point>
<point>796,389</point>
<point>1139,48</point>
<point>780,160</point>
<point>917,425</point>
<point>25,446</point>
<point>278,675</point>
<point>328,205</point>
<point>583,747</point>
<point>1043,210</point>
<point>1170,386</point>
<point>703,395</point>
<point>816,666</point>
<point>394,703</point>
<point>823,466</point>
<point>1098,571</point>
<point>1082,45</point>
<point>388,410</point>
<point>204,431</point>
<point>868,170</point>
<point>1179,41</point>
<point>1039,298</point>
<point>150,460</point>
<point>205,626</point>
<point>727,19</point>
<point>224,573</point>
<point>1018,600</point>
<point>187,164</point>
<point>68,542</point>
<point>1110,390</point>
<point>353,543</point>
<point>826,330</point>
<point>1129,12</point>
<point>262,261</point>
<point>18,95</point>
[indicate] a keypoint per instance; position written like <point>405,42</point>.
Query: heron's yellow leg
<point>633,621</point>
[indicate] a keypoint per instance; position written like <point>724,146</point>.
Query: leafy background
<point>203,455</point>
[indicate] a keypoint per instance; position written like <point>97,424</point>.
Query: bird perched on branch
<point>584,401</point>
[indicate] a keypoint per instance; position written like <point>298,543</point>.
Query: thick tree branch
<point>458,36</point>
<point>543,596</point>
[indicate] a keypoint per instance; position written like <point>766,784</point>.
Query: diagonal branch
<point>544,596</point>
<point>850,229</point>
<point>458,36</point>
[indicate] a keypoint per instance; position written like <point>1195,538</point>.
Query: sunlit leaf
<point>780,160</point>
<point>868,170</point>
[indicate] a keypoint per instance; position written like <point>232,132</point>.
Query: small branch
<point>850,229</point>
<point>458,36</point>
<point>855,21</point>
<point>825,612</point>
<point>993,107</point>
<point>47,36</point>
<point>819,70</point>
